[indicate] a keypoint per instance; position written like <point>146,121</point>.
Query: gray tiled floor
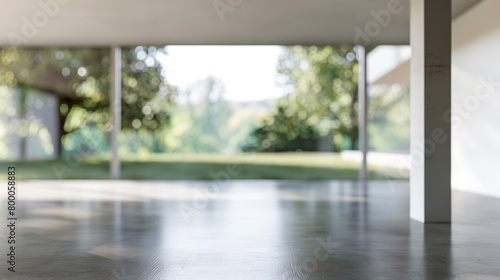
<point>246,230</point>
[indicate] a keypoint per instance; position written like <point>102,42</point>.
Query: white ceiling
<point>193,22</point>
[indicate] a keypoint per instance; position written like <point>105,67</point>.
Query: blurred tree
<point>200,120</point>
<point>321,102</point>
<point>389,122</point>
<point>283,133</point>
<point>80,79</point>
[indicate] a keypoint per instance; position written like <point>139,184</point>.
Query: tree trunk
<point>354,130</point>
<point>62,120</point>
<point>22,117</point>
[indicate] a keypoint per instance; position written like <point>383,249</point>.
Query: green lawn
<point>199,166</point>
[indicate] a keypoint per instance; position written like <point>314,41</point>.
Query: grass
<point>302,166</point>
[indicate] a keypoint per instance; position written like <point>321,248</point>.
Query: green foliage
<point>146,96</point>
<point>80,78</point>
<point>321,103</point>
<point>283,133</point>
<point>389,118</point>
<point>200,121</point>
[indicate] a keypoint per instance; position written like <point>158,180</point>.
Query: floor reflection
<point>248,230</point>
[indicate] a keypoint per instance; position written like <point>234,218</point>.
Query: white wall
<point>9,123</point>
<point>41,142</point>
<point>385,59</point>
<point>476,100</point>
<point>43,127</point>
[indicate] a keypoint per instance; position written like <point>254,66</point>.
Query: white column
<point>362,112</point>
<point>430,98</point>
<point>115,103</point>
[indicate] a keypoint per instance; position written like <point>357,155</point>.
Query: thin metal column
<point>362,112</point>
<point>116,93</point>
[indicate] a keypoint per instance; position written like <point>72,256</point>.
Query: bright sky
<point>248,72</point>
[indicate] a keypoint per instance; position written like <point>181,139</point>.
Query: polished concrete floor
<point>245,230</point>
